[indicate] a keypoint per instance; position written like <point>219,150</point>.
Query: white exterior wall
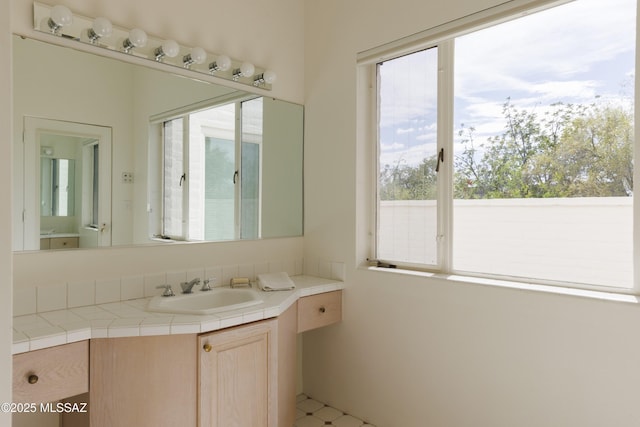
<point>582,240</point>
<point>413,350</point>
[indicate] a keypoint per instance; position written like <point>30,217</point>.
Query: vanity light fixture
<point>168,48</point>
<point>60,17</point>
<point>60,21</point>
<point>268,77</point>
<point>197,56</point>
<point>222,63</point>
<point>246,70</point>
<point>137,38</point>
<point>101,28</point>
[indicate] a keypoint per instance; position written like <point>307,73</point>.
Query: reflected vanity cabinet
<point>58,243</point>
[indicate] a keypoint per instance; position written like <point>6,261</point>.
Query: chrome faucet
<point>187,286</point>
<point>168,292</point>
<point>206,286</point>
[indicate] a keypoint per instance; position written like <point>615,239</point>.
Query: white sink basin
<point>217,300</point>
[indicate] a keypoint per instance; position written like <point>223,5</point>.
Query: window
<point>507,151</point>
<point>211,173</point>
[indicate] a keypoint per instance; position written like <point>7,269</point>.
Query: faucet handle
<point>168,292</point>
<point>205,284</point>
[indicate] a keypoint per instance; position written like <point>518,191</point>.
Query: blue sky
<point>571,53</point>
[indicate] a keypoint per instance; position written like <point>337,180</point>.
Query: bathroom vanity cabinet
<point>216,379</point>
<point>243,375</point>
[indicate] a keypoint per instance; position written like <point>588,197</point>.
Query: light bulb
<point>269,76</point>
<point>101,28</point>
<point>222,63</point>
<point>137,38</point>
<point>60,17</point>
<point>197,56</point>
<point>169,48</point>
<point>247,69</point>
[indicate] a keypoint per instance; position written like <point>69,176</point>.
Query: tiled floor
<point>312,413</point>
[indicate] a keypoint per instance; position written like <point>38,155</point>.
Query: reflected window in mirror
<point>211,173</point>
<point>90,208</point>
<point>57,182</point>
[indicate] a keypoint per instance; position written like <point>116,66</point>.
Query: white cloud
<point>394,146</point>
<point>431,136</point>
<point>401,131</point>
<point>411,156</point>
<point>561,42</point>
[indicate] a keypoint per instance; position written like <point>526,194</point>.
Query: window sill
<point>535,287</point>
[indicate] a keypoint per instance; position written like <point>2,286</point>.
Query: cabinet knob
<point>32,379</point>
<point>207,348</point>
<point>322,309</point>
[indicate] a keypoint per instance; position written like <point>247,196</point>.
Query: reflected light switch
<point>127,177</point>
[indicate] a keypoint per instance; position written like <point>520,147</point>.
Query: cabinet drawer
<point>319,310</point>
<point>63,242</point>
<point>45,244</point>
<point>52,373</point>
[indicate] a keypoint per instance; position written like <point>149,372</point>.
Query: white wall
<point>6,332</point>
<point>419,351</point>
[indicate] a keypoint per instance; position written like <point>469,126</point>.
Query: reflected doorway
<point>68,183</point>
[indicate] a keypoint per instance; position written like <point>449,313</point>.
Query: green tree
<point>571,151</point>
<point>404,182</point>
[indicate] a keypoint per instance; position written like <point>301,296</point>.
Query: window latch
<point>440,159</point>
<point>182,179</point>
<point>235,176</point>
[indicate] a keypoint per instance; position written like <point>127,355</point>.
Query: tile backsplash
<point>58,296</point>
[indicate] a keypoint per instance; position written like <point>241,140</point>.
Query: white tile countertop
<point>130,318</point>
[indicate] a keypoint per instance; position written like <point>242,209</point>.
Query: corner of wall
<point>5,211</point>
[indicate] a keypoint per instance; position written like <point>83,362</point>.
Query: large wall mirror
<point>111,153</point>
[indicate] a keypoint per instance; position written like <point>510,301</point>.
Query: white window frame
<point>443,37</point>
<point>157,123</point>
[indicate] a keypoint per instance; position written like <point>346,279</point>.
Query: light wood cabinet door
<point>238,376</point>
<point>143,381</point>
